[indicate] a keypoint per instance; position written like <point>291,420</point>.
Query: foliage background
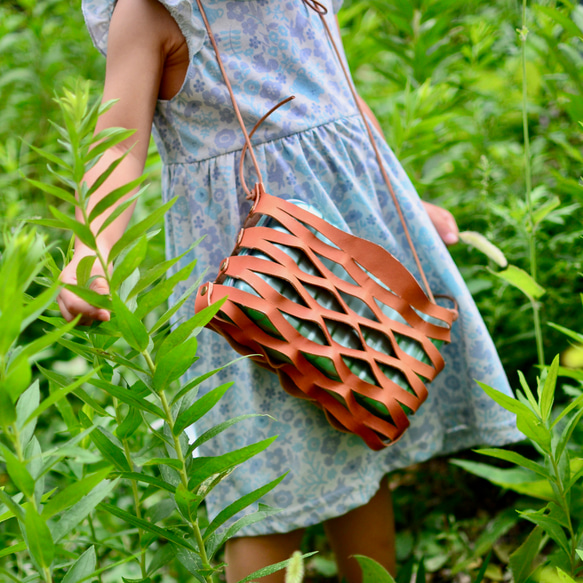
<point>444,78</point>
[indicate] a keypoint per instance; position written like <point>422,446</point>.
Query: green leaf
<point>183,332</point>
<point>18,473</point>
<point>239,505</point>
<point>110,451</point>
<point>570,333</point>
<point>166,461</point>
<point>483,568</point>
<point>10,322</point>
<point>162,291</point>
<point>196,381</point>
<point>549,525</point>
<point>133,330</point>
<point>214,431</point>
<point>199,408</point>
<point>187,502</point>
<point>567,433</point>
<point>58,395</point>
<point>163,556</point>
<point>155,273</point>
<point>521,280</point>
<point>38,305</point>
<point>271,569</point>
<point>147,479</point>
<point>129,263</point>
<point>74,492</point>
<point>128,397</point>
<point>572,405</point>
<point>54,190</point>
<point>14,507</point>
<point>174,364</point>
<point>373,572</point>
<point>77,513</point>
<point>192,562</point>
<point>482,244</point>
<point>112,197</point>
<point>516,458</point>
<point>564,577</point>
<point>203,468</point>
<point>129,425</point>
<point>39,538</point>
<point>164,533</point>
<point>84,270</point>
<point>420,577</point>
<point>7,408</point>
<point>106,139</point>
<point>517,479</point>
<point>15,548</point>
<point>531,399</point>
<point>51,157</point>
<point>522,558</point>
<point>526,420</point>
<point>27,403</point>
<point>138,230</point>
<point>547,395</point>
<point>17,379</point>
<point>83,232</point>
<point>46,340</point>
<point>545,209</point>
<point>82,568</point>
<point>119,210</point>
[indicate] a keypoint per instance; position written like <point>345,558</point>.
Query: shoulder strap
<point>321,10</point>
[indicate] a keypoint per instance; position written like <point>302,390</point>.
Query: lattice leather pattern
<point>327,312</point>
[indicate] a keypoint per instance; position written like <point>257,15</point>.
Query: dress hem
<point>279,525</point>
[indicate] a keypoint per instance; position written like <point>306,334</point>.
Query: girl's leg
<point>248,554</point>
<point>368,530</point>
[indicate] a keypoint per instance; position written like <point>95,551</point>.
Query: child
<point>162,68</point>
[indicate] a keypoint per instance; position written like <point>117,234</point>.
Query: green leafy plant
<point>128,413</point>
<point>555,478</point>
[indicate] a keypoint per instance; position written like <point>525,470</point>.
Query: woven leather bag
<point>341,321</point>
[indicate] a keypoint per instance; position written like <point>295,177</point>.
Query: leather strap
<point>321,10</point>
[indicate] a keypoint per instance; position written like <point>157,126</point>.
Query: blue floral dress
<point>316,150</point>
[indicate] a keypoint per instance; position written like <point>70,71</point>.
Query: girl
<point>162,69</point>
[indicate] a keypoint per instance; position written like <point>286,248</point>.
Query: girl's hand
<point>444,222</point>
<point>72,305</point>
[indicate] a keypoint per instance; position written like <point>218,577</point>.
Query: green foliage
<point>445,80</point>
<point>122,421</point>
<point>555,478</point>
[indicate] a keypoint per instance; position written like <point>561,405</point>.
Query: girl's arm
<point>142,40</point>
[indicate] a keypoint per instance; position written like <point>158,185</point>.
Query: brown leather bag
<point>338,318</point>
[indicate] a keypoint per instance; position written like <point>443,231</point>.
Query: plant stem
<point>94,535</point>
<point>183,476</point>
<point>184,479</point>
<point>528,183</point>
<point>47,575</point>
<point>134,486</point>
<point>565,506</point>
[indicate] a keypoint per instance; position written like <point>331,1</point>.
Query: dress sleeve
<point>97,14</point>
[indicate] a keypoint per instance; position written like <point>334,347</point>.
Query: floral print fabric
<point>314,149</point>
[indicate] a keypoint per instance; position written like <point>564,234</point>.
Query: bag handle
<point>321,10</point>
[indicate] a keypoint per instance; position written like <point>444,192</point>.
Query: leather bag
<point>341,321</point>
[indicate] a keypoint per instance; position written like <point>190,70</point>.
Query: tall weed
<point>122,423</point>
